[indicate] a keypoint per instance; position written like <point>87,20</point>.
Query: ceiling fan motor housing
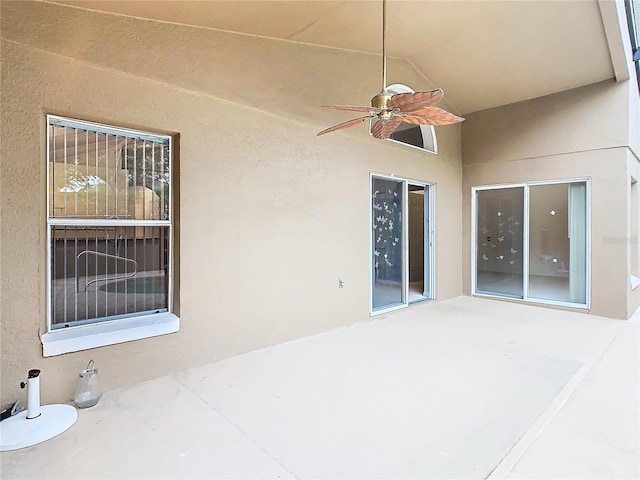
<point>380,100</point>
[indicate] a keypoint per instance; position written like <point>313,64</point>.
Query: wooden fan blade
<point>353,108</point>
<point>410,102</point>
<point>383,129</point>
<point>346,124</point>
<point>431,116</point>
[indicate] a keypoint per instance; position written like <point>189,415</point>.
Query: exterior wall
<point>632,240</point>
<point>270,215</point>
<point>573,134</point>
<point>633,200</point>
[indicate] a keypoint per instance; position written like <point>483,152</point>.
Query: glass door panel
<point>388,279</point>
<point>578,243</point>
<point>428,288</point>
<point>499,237</point>
<point>557,242</point>
<point>418,242</point>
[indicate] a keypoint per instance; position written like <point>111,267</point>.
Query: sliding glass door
<point>500,214</point>
<point>388,282</point>
<point>532,242</point>
<point>558,242</point>
<point>401,243</point>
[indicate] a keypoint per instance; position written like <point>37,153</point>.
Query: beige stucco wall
<point>632,238</point>
<point>633,205</point>
<point>582,133</point>
<point>270,215</point>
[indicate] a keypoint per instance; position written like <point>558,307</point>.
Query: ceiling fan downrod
<point>380,100</point>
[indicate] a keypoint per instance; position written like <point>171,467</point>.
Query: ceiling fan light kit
<point>389,110</point>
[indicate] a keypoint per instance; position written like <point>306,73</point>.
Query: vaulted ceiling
<point>483,53</point>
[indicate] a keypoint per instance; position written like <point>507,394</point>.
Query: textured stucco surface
<point>270,215</point>
<point>581,133</point>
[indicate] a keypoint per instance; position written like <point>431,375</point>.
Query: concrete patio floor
<point>466,388</point>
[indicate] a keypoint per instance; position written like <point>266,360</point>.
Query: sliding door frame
<point>429,226</point>
<point>525,242</point>
<point>429,238</point>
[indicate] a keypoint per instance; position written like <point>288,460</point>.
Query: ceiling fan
<point>389,110</point>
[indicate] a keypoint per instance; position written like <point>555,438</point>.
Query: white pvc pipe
<point>33,394</point>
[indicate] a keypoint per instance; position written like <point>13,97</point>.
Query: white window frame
<point>525,241</point>
<point>118,330</point>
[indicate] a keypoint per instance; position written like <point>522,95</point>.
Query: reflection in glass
<point>500,215</point>
<point>109,222</point>
<point>386,231</point>
<point>98,175</point>
<point>107,272</point>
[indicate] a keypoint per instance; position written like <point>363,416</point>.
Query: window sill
<point>69,340</point>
